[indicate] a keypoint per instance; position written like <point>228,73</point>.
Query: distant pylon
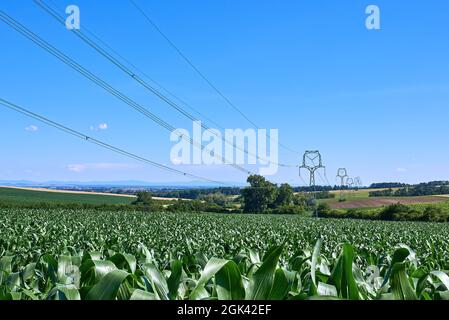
<point>358,182</point>
<point>350,184</point>
<point>342,173</point>
<point>312,161</point>
<point>308,163</point>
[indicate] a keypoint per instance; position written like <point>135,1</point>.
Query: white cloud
<point>76,167</point>
<point>401,170</point>
<point>81,167</point>
<point>176,161</point>
<point>101,126</point>
<point>32,128</point>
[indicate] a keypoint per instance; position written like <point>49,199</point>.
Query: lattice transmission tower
<point>358,182</point>
<point>350,184</point>
<point>312,162</point>
<point>342,173</point>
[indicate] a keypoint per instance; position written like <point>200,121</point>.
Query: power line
<point>202,75</point>
<point>121,96</point>
<point>102,144</point>
<point>136,68</point>
<point>139,80</point>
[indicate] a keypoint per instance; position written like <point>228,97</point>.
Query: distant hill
<point>124,183</point>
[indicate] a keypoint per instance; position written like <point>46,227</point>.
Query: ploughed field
<point>86,254</point>
<point>376,202</point>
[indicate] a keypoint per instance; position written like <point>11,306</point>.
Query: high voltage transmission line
<point>201,74</point>
<point>144,74</point>
<point>102,144</point>
<point>103,84</point>
<point>142,82</point>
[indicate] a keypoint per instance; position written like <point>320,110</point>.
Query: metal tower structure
<point>311,162</point>
<point>342,173</point>
<point>358,182</point>
<point>350,184</point>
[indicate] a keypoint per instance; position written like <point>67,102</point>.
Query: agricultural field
<point>357,199</point>
<point>20,196</point>
<point>386,201</point>
<point>84,254</point>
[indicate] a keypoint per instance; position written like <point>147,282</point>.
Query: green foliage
<point>389,212</point>
<point>143,199</point>
<point>195,193</point>
<point>422,189</point>
<point>28,197</point>
<point>288,209</point>
<point>186,206</point>
<point>324,195</point>
<point>259,196</point>
<point>217,198</point>
<point>324,210</point>
<point>265,197</point>
<point>284,196</point>
<point>394,212</point>
<point>84,254</point>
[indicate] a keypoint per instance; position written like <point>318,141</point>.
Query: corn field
<point>90,255</point>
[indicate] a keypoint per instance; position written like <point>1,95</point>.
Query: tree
<point>284,195</point>
<point>217,198</point>
<point>389,213</point>
<point>259,196</point>
<point>144,198</point>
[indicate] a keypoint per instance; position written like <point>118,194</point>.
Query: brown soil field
<point>381,202</point>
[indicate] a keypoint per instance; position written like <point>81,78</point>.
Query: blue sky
<point>375,102</point>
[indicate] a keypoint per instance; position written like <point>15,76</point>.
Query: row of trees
<point>263,196</point>
<point>385,185</point>
<point>423,189</point>
<point>195,193</point>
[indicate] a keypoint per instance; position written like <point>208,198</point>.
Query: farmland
<point>85,254</point>
<point>355,199</point>
<point>381,202</point>
<point>17,196</point>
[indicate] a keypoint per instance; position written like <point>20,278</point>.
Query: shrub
<point>388,213</point>
<point>289,209</point>
<point>434,214</point>
<point>324,210</point>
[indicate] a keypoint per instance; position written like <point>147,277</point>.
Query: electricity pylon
<point>358,182</point>
<point>312,161</point>
<point>350,184</point>
<point>308,163</point>
<point>342,174</point>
